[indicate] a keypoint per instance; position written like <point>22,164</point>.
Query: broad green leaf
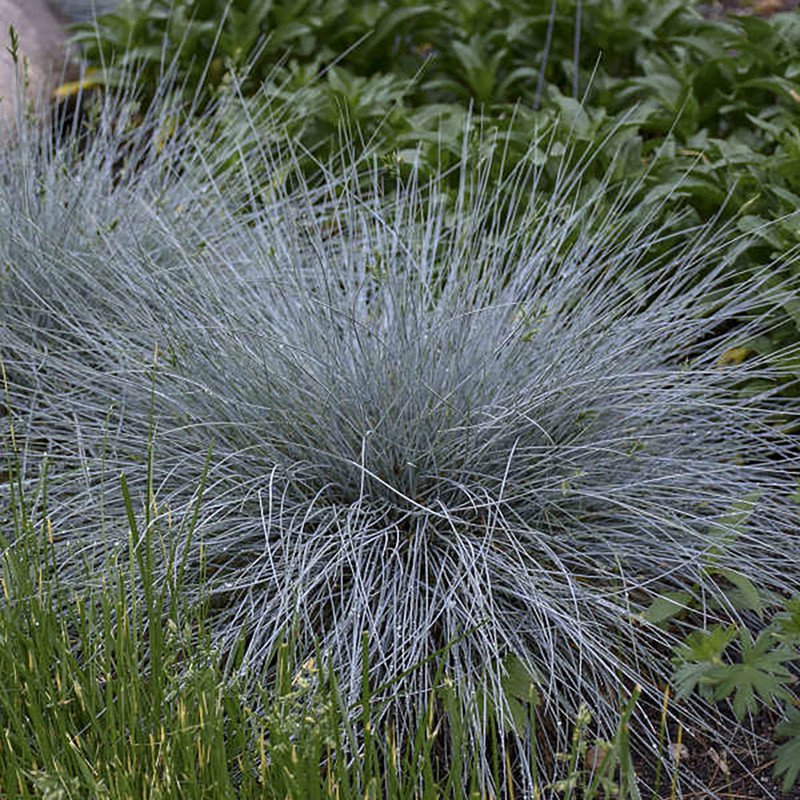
<point>392,22</point>
<point>787,755</point>
<point>728,526</point>
<point>744,596</point>
<point>667,606</point>
<point>517,680</point>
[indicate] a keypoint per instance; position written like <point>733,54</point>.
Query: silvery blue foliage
<point>500,422</point>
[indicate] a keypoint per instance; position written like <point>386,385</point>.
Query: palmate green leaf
<point>787,755</point>
<point>788,622</point>
<point>709,645</point>
<point>699,676</point>
<point>699,660</point>
<point>761,675</point>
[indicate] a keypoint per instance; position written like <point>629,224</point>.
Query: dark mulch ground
<point>734,764</point>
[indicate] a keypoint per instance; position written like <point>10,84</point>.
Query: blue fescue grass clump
<point>495,426</point>
<point>82,718</point>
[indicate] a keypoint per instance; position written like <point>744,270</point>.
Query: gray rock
<point>83,10</point>
<point>45,59</point>
<point>42,53</point>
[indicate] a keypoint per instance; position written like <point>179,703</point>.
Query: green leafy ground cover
<point>718,100</point>
<point>700,117</point>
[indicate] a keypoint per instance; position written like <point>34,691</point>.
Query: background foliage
<point>687,115</point>
<point>717,100</point>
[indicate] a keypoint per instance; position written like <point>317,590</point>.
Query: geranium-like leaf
<point>787,755</point>
<point>761,675</point>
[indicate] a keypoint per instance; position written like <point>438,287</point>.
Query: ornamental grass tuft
<point>495,424</point>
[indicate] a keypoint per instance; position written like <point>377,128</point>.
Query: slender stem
<point>576,49</point>
<point>545,55</point>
